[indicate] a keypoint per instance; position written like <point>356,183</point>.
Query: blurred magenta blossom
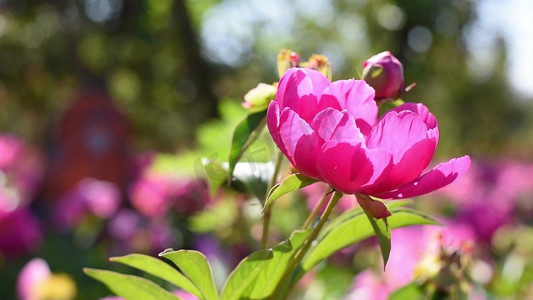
<point>384,73</point>
<point>133,232</point>
<point>492,194</point>
<point>90,195</point>
<point>330,132</point>
<point>414,255</point>
<point>20,233</point>
<point>154,194</point>
<point>21,172</point>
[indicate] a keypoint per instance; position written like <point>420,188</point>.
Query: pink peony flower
<point>330,132</point>
<point>384,73</point>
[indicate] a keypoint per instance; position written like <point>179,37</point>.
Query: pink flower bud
<point>259,97</point>
<point>385,74</point>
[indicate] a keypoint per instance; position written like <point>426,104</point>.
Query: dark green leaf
<point>358,228</point>
<point>291,183</point>
<point>382,232</point>
<point>159,269</point>
<point>196,267</point>
<point>246,132</point>
<point>130,287</point>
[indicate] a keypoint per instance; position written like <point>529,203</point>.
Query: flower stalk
<point>303,250</point>
<point>268,209</point>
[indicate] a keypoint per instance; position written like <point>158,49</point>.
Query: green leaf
<point>271,274</point>
<point>410,291</point>
<point>246,132</point>
<point>130,287</point>
<point>245,274</point>
<point>358,228</point>
<point>196,267</point>
<point>382,232</point>
<point>291,183</point>
<point>257,275</point>
<point>212,171</point>
<point>159,269</point>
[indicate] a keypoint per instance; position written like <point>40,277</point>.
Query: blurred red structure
<point>91,141</point>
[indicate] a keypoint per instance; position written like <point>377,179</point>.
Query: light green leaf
<point>291,183</point>
<point>358,228</point>
<point>257,275</point>
<point>410,291</point>
<point>382,232</point>
<point>246,132</point>
<point>245,274</point>
<point>158,268</point>
<point>196,267</point>
<point>213,172</point>
<point>130,287</point>
<point>269,277</point>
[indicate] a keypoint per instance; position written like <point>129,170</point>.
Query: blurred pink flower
<point>100,198</point>
<point>384,73</point>
<point>330,132</point>
<point>490,195</point>
<point>21,168</point>
<point>150,196</point>
<point>34,273</point>
<point>20,233</point>
<point>410,246</point>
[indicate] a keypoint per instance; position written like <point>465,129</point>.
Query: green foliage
<point>158,268</point>
<point>355,228</point>
<point>196,267</point>
<point>130,287</point>
<point>246,132</point>
<point>257,276</point>
<point>382,231</point>
<point>291,183</point>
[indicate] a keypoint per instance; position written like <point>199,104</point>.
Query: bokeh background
<point>122,98</point>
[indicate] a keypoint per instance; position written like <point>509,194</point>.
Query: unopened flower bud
<point>384,73</point>
<point>259,97</point>
<point>321,64</point>
<point>287,59</point>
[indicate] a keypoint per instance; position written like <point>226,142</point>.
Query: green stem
<point>268,209</point>
<point>315,211</point>
<point>303,250</point>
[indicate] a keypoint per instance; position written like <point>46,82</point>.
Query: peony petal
<point>348,167</point>
<point>272,119</point>
<point>438,177</point>
<point>412,146</point>
<point>421,110</point>
<point>354,96</point>
<point>300,90</point>
<point>331,124</point>
<point>299,142</point>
